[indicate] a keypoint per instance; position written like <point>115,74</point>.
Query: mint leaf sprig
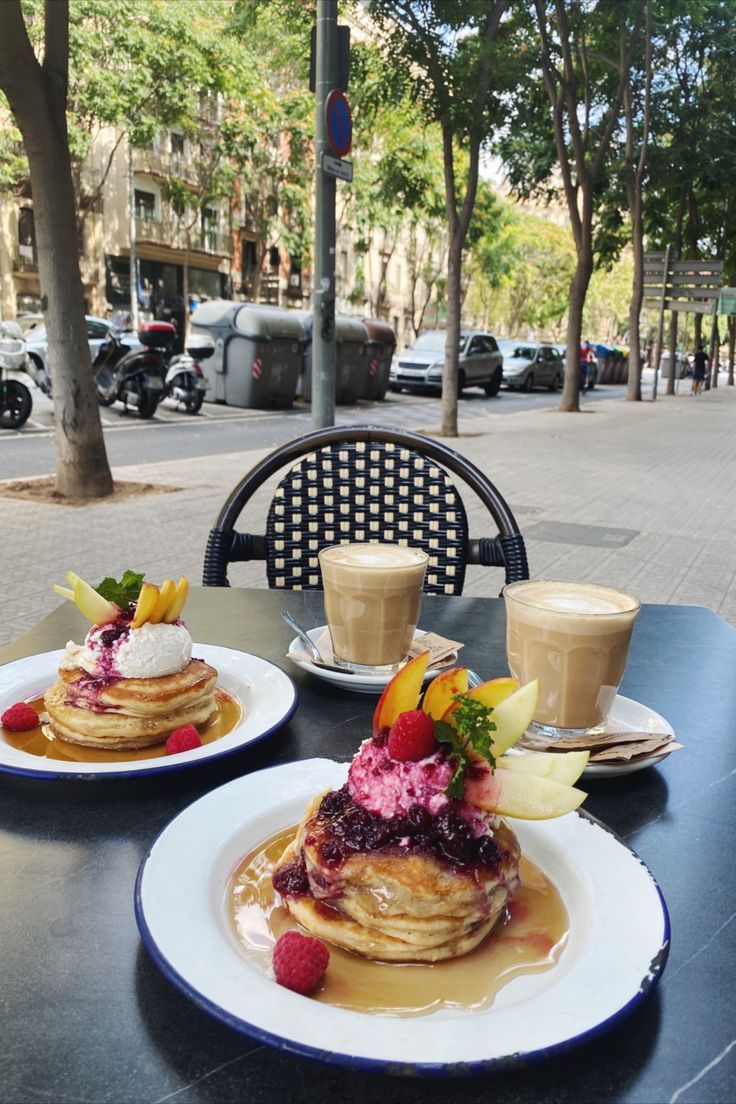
<point>122,591</point>
<point>473,730</point>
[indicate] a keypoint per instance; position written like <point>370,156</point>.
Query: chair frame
<point>225,545</point>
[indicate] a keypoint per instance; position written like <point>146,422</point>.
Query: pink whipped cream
<point>389,788</point>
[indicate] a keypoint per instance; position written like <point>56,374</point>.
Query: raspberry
<point>21,717</point>
<point>412,737</point>
<point>185,738</point>
<point>300,962</point>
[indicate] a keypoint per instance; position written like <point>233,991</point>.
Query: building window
<point>26,233</point>
<point>177,144</point>
<point>145,205</point>
<point>295,272</point>
<point>210,224</point>
<point>274,258</point>
<point>248,259</point>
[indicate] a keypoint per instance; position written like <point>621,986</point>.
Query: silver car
<point>527,365</point>
<point>421,366</point>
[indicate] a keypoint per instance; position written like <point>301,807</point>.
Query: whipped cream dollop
<point>115,650</point>
<point>390,787</point>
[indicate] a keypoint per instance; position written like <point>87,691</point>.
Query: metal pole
<point>323,298</point>
<point>133,262</point>
<point>660,329</point>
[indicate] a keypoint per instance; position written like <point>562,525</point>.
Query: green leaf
<point>474,729</point>
<point>121,592</point>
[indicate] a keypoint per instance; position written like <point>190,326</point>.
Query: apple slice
<point>565,767</point>
<point>513,716</point>
<point>94,607</point>
<point>176,605</point>
<point>64,592</point>
<point>441,690</point>
<point>145,606</point>
<point>490,693</point>
<point>165,595</point>
<point>402,693</point>
<point>525,796</point>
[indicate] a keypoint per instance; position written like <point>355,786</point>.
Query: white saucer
<point>347,680</point>
<point>628,715</point>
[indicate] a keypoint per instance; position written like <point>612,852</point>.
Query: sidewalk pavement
<point>637,495</point>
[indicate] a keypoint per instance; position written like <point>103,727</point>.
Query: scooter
<point>16,402</point>
<point>134,377</point>
<point>184,381</point>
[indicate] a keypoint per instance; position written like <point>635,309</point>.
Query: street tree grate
<point>597,536</point>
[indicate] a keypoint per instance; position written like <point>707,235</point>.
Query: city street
<point>174,434</point>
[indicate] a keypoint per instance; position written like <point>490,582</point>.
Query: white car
<point>527,365</point>
<point>37,344</point>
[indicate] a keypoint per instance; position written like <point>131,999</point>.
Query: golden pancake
<point>398,906</point>
<point>141,697</point>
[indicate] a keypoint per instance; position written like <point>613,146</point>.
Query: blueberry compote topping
<point>347,827</point>
<point>119,627</point>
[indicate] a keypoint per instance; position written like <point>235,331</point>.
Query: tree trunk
<point>633,389</point>
<point>452,341</point>
<point>578,291</point>
<point>37,98</point>
<point>715,344</point>
<point>731,345</point>
<point>672,348</point>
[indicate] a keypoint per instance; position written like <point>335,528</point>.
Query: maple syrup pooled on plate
<point>36,741</point>
<point>529,939</point>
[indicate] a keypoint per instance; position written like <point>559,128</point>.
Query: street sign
<point>333,166</point>
<point>338,123</point>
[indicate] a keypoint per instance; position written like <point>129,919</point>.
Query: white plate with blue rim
<point>266,693</point>
<point>616,951</point>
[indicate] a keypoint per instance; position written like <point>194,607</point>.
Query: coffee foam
<point>574,598</point>
<point>374,555</point>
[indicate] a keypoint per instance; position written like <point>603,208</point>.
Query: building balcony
<point>25,262</point>
<point>169,232</point>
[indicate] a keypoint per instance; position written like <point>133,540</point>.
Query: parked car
<point>421,366</point>
<point>37,343</point>
<point>527,365</point>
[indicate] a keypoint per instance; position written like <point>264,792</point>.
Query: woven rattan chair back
<point>365,484</point>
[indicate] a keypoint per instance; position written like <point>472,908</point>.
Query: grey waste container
<point>350,364</point>
<point>258,352</point>
<point>379,350</point>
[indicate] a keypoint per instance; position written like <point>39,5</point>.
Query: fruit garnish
<point>439,695</point>
<point>147,601</point>
<point>525,796</point>
<point>20,717</point>
<point>470,735</point>
<point>122,592</point>
<point>300,962</point>
<point>513,716</point>
<point>165,595</point>
<point>185,738</point>
<point>402,693</point>
<point>181,593</point>
<point>412,737</point>
<point>491,693</point>
<point>565,768</point>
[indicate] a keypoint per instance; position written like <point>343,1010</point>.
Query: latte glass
<point>573,637</point>
<point>372,595</point>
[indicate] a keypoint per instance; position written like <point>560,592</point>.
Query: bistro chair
<point>365,483</point>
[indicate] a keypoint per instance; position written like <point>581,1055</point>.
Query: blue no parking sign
<point>338,123</point>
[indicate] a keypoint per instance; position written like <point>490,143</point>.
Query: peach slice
<point>145,606</point>
<point>491,693</point>
<point>564,767</point>
<point>165,595</point>
<point>525,796</point>
<point>178,600</point>
<point>94,607</point>
<point>402,693</point>
<point>441,690</point>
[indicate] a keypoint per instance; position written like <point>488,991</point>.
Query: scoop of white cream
<point>150,651</point>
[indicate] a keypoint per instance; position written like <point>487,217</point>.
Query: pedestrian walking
<point>700,365</point>
<point>587,360</point>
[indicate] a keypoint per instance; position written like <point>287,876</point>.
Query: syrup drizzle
<point>36,741</point>
<point>529,939</point>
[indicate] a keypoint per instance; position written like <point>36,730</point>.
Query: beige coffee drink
<point>372,594</point>
<point>573,637</point>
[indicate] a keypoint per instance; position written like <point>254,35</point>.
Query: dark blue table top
<point>86,1016</point>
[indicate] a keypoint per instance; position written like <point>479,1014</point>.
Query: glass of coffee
<point>372,595</point>
<point>573,637</point>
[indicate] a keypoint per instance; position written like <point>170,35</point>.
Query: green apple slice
<point>513,715</point>
<point>64,592</point>
<point>524,796</point>
<point>564,767</point>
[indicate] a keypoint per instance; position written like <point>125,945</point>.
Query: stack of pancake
<point>394,906</point>
<point>129,713</point>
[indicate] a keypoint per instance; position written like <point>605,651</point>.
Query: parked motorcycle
<point>184,380</point>
<point>16,402</point>
<point>134,377</point>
